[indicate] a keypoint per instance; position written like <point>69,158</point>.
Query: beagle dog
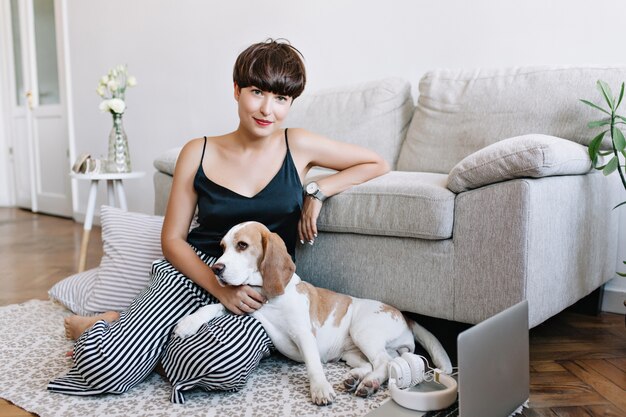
<point>314,325</point>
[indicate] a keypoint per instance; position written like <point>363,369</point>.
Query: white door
<point>38,115</point>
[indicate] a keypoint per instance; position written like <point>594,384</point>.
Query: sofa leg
<point>590,305</point>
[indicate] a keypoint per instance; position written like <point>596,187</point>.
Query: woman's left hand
<point>307,227</point>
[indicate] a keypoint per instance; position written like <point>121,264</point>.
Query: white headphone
<point>408,371</point>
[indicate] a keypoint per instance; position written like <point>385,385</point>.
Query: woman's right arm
<point>180,210</point>
<point>181,207</point>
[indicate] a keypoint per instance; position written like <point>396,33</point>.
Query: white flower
<point>117,105</point>
<point>112,88</point>
<point>112,85</point>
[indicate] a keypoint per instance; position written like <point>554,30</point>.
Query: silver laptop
<point>493,377</point>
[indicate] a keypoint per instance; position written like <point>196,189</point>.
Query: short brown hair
<point>274,66</point>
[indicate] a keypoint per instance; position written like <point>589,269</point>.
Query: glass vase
<point>119,157</point>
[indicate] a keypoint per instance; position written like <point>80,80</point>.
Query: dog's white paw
<point>322,393</point>
<point>352,379</point>
<point>187,326</point>
<point>367,387</point>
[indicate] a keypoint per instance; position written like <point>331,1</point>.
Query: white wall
<point>182,52</point>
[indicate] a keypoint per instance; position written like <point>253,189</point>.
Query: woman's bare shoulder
<point>191,152</point>
<point>195,145</point>
<point>303,139</point>
<point>298,135</point>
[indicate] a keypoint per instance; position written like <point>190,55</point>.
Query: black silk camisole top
<point>277,206</point>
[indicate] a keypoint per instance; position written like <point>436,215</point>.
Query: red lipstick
<point>262,122</point>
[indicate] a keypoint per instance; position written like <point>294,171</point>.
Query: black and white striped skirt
<point>114,357</point>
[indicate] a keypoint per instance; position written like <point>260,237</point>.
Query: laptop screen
<point>493,356</point>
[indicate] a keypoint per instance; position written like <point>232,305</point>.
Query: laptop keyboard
<point>452,411</point>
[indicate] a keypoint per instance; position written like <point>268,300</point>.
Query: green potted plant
<point>610,124</point>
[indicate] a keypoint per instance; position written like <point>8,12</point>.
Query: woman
<point>252,173</point>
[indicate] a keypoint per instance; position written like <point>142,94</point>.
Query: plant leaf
<point>610,167</point>
<point>620,204</point>
<point>606,92</point>
<point>605,153</point>
<point>594,146</point>
<point>618,139</point>
<point>621,96</point>
<point>598,123</point>
<point>621,274</point>
<point>621,117</point>
<point>595,106</point>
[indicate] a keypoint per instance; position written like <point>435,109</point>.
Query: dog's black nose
<point>218,269</point>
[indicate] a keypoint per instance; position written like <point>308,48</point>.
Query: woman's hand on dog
<point>241,299</point>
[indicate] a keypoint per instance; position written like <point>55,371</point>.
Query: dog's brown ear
<point>276,266</point>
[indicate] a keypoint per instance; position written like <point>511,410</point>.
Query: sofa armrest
<point>550,240</point>
<point>518,157</point>
<point>166,162</point>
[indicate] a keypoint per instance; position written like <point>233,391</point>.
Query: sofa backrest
<point>461,111</point>
<point>375,115</point>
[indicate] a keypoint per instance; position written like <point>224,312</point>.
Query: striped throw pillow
<point>130,243</point>
<point>74,290</point>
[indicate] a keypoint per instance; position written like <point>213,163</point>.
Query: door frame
<point>66,85</point>
<point>7,182</point>
<point>7,81</point>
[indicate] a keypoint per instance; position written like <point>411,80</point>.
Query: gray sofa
<point>491,200</point>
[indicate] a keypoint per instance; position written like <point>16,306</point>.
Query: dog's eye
<point>242,245</point>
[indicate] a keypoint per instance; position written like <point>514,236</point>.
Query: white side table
<point>114,187</point>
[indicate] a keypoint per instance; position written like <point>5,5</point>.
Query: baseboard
<point>614,296</point>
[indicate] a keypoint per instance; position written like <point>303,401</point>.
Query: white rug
<point>32,352</point>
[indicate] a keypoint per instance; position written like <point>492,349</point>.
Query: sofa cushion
<point>522,156</point>
<point>402,204</point>
<point>460,112</point>
<point>166,162</point>
<point>375,115</point>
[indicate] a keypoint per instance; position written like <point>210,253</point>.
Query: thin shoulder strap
<point>286,139</point>
<point>203,148</point>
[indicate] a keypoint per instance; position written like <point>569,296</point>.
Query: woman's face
<point>261,112</point>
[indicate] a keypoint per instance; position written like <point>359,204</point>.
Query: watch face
<point>311,188</point>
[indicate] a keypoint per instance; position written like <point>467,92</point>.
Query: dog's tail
<point>432,346</point>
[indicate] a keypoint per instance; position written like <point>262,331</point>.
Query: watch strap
<point>317,194</point>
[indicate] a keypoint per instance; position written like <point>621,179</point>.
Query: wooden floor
<point>578,362</point>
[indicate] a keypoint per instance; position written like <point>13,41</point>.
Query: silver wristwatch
<point>314,191</point>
